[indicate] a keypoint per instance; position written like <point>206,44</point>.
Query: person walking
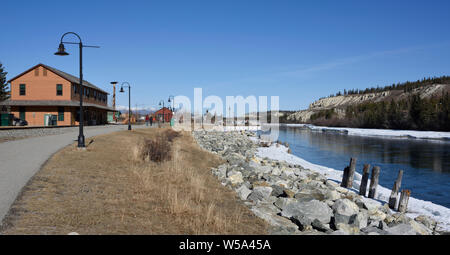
<point>147,120</point>
<point>151,121</point>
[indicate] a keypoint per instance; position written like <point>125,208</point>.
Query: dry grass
<point>110,189</point>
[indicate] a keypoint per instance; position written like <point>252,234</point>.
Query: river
<point>426,163</point>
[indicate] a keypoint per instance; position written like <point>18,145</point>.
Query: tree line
<point>405,86</point>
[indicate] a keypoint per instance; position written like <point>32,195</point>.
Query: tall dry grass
<point>186,194</point>
<point>111,189</point>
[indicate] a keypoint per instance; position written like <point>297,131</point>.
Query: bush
<point>159,149</point>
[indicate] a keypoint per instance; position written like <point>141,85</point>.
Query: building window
<point>60,113</point>
<point>95,94</point>
<point>36,71</point>
<point>59,89</point>
<point>44,72</point>
<point>22,90</point>
<point>22,113</point>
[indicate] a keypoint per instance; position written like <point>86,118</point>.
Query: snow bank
<point>416,207</point>
<point>378,132</point>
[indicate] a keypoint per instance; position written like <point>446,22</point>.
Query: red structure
<point>166,112</point>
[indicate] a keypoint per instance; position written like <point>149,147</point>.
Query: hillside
<point>352,108</point>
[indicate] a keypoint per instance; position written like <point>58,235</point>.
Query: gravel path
<point>21,159</point>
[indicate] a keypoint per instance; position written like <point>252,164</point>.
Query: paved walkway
<point>21,159</point>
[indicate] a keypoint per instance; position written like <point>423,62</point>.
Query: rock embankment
<point>295,200</point>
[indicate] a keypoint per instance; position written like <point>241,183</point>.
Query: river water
<point>426,163</point>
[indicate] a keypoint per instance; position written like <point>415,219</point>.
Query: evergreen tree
<point>3,84</point>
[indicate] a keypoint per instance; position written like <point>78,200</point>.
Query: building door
<point>22,113</point>
<point>50,120</point>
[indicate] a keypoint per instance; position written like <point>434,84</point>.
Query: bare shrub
<point>157,150</point>
<point>171,134</point>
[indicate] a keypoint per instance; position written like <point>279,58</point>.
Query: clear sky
<point>298,50</point>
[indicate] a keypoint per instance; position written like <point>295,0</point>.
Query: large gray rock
<point>347,216</point>
<point>426,221</point>
<point>316,224</point>
<point>401,229</point>
<point>263,169</point>
<point>372,229</point>
<point>310,210</point>
<point>419,228</point>
<point>260,193</point>
<point>243,192</point>
<point>332,195</point>
<point>282,202</point>
<point>235,177</point>
<point>343,210</point>
<point>277,191</point>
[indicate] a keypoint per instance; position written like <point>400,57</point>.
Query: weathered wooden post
<point>364,180</point>
<point>345,177</point>
<point>395,190</point>
<point>404,198</point>
<point>349,172</point>
<point>374,181</point>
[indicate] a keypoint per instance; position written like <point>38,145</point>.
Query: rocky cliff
<point>339,103</point>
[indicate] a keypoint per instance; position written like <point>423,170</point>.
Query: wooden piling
<point>395,190</point>
<point>345,177</point>
<point>349,172</point>
<point>374,181</point>
<point>404,198</point>
<point>364,180</point>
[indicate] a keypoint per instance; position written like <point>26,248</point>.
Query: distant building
<point>43,95</point>
<point>165,113</point>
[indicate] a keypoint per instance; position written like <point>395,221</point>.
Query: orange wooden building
<point>165,113</point>
<point>43,96</point>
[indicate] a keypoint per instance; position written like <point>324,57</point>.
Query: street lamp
<point>62,52</point>
<point>164,115</point>
<point>129,101</point>
<point>172,99</point>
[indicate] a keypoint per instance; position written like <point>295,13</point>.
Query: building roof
<point>9,102</point>
<point>62,74</point>
<point>164,109</point>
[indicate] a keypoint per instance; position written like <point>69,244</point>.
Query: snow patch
<point>378,132</point>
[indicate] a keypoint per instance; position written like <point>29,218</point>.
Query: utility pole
<point>114,99</point>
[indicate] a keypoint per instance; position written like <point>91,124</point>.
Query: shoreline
<point>416,206</point>
<point>381,133</point>
<point>275,158</point>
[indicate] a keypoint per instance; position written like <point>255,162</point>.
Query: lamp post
<point>164,115</point>
<point>129,101</point>
<point>172,100</point>
<point>62,52</point>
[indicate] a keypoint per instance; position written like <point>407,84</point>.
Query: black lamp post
<point>164,115</point>
<point>172,100</point>
<point>129,101</point>
<point>62,52</point>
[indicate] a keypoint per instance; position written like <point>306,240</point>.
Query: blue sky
<point>298,50</point>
